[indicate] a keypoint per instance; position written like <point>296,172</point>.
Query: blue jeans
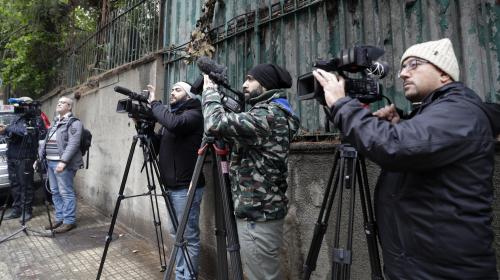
<point>63,193</point>
<point>192,232</point>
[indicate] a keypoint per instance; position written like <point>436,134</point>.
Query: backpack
<point>85,139</point>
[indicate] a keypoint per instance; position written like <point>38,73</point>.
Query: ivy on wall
<point>200,43</point>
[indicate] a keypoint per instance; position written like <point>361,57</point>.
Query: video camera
<point>234,101</point>
<point>135,105</point>
<point>358,59</point>
<point>25,107</point>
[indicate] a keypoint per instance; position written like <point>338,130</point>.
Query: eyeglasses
<point>411,65</point>
<point>62,102</point>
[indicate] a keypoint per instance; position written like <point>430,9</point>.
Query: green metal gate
<point>294,33</point>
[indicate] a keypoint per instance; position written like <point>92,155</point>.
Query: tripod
<point>226,233</point>
<point>349,170</point>
<point>25,180</point>
<point>151,165</point>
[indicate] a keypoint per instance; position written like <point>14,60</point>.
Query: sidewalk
<point>77,253</point>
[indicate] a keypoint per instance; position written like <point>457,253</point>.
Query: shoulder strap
<point>70,122</point>
<point>285,107</point>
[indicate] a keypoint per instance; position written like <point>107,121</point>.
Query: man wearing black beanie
<point>260,141</point>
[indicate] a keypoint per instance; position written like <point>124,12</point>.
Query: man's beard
<point>175,101</point>
<point>254,93</point>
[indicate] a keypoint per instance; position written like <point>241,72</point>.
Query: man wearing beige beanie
<point>179,139</point>
<point>434,194</point>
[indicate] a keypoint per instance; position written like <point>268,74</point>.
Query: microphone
<point>380,69</point>
<point>216,72</point>
<point>131,94</point>
<point>123,90</point>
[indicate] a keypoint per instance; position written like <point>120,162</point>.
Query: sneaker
<point>54,225</point>
<point>64,228</point>
<point>13,214</point>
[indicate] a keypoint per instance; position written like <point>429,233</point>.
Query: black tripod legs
<point>109,236</point>
<point>4,208</point>
<point>369,222</point>
<point>26,172</point>
<point>223,186</point>
<point>152,171</point>
<point>179,237</point>
<point>348,174</point>
<point>322,222</point>
<point>226,232</point>
<point>153,200</point>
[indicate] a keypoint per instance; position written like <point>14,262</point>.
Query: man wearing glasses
<point>433,197</point>
<point>62,152</point>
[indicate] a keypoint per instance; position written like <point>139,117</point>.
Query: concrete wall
<point>309,167</point>
<point>112,138</point>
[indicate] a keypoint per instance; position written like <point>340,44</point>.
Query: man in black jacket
<point>22,145</point>
<point>180,137</point>
<point>433,197</point>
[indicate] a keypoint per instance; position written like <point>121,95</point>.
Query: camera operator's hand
<point>208,83</point>
<point>60,167</point>
<point>388,113</point>
<point>333,85</point>
<point>152,95</point>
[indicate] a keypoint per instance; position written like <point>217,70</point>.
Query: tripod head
<point>145,133</point>
<point>144,128</point>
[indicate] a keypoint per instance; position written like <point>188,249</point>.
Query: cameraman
<point>260,141</point>
<point>23,134</point>
<point>180,137</point>
<point>433,197</point>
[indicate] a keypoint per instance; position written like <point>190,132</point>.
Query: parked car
<point>6,117</point>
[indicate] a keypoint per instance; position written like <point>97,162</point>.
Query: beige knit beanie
<point>187,87</point>
<point>440,53</point>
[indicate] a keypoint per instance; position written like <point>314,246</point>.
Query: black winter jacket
<point>180,139</point>
<point>433,197</point>
<point>21,144</point>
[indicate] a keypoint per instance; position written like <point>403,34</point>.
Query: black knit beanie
<point>271,76</point>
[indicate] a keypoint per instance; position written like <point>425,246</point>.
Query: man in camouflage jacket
<point>260,141</point>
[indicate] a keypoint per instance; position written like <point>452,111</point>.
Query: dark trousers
<point>21,184</point>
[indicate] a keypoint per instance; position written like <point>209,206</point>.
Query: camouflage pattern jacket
<point>260,142</point>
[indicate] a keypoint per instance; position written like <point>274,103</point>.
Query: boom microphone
<point>216,72</point>
<point>131,94</point>
<point>123,90</point>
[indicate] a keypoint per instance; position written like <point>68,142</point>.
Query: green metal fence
<point>294,33</point>
<point>132,32</point>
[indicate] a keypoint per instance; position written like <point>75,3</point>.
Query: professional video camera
<point>25,107</point>
<point>234,101</point>
<point>136,105</point>
<point>358,59</point>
